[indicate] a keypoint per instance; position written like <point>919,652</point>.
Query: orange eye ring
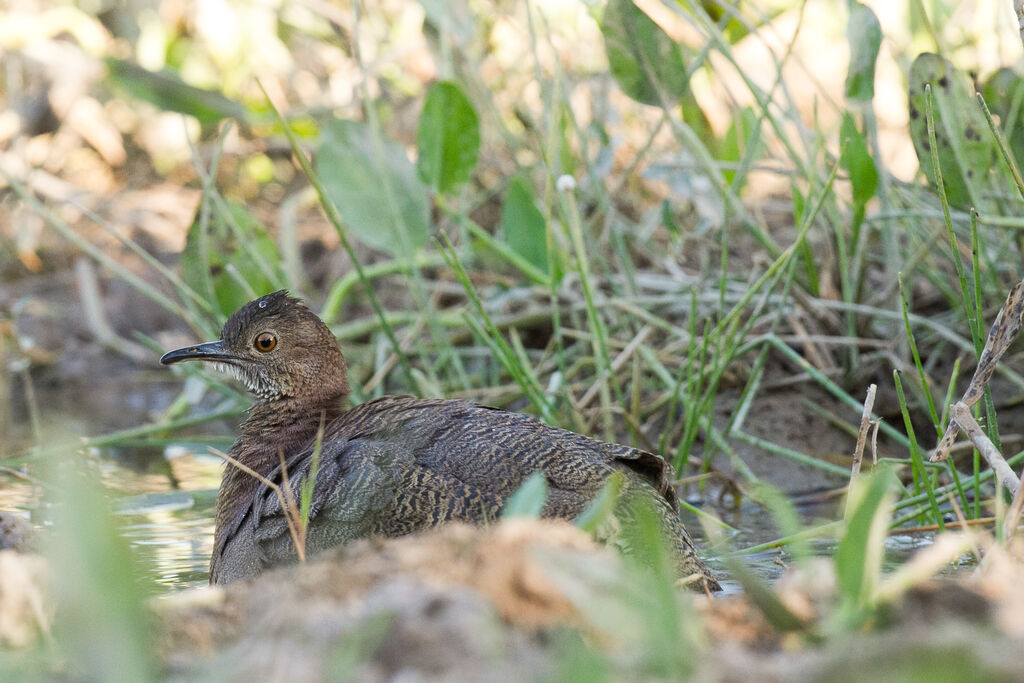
<point>265,342</point>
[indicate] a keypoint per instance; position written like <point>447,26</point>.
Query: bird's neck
<point>273,430</point>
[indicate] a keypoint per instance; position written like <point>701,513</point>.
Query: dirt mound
<point>464,602</point>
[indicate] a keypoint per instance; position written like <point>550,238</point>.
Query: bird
<point>393,465</point>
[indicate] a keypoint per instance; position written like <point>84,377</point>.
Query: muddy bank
<point>528,600</point>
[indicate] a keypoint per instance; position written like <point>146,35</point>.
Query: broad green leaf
<point>448,139</point>
<point>859,556</point>
<point>644,60</point>
<point>1004,95</point>
<point>965,148</point>
<point>864,34</point>
<point>734,28</point>
<point>695,117</point>
<point>168,92</point>
<point>529,498</point>
<point>523,224</point>
<point>374,186</point>
<point>857,161</point>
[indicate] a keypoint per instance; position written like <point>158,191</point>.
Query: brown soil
<point>465,603</point>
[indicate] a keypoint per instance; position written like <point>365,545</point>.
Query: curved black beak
<point>212,351</point>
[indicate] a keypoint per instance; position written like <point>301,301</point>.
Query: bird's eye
<point>265,342</point>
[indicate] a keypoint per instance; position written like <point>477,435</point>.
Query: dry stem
<point>961,415</point>
<point>290,511</point>
<point>1013,516</point>
<point>862,435</point>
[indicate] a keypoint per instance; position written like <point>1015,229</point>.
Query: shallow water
<point>173,527</point>
<point>166,514</point>
<point>164,504</point>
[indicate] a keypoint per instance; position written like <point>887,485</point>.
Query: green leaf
<point>565,137</point>
<point>859,556</point>
<point>602,506</point>
<point>857,161</point>
<point>786,518</point>
<point>448,139</point>
<point>195,262</point>
<point>529,498</point>
<point>644,60</point>
<point>168,92</point>
<point>864,34</point>
<point>668,220</point>
<point>103,624</point>
<point>766,601</point>
<point>374,186</point>
<point>737,138</point>
<point>733,29</point>
<point>234,241</point>
<point>964,149</point>
<point>309,484</point>
<point>523,224</point>
<point>1004,94</point>
<point>799,204</point>
<point>806,253</point>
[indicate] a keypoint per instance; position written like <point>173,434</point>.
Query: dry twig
<point>862,434</point>
<point>1004,330</point>
<point>963,523</point>
<point>1013,516</point>
<point>1018,6</point>
<point>291,512</point>
<point>961,416</point>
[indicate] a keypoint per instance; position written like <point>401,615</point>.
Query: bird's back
<point>399,464</point>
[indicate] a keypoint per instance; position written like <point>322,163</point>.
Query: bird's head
<point>278,348</point>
